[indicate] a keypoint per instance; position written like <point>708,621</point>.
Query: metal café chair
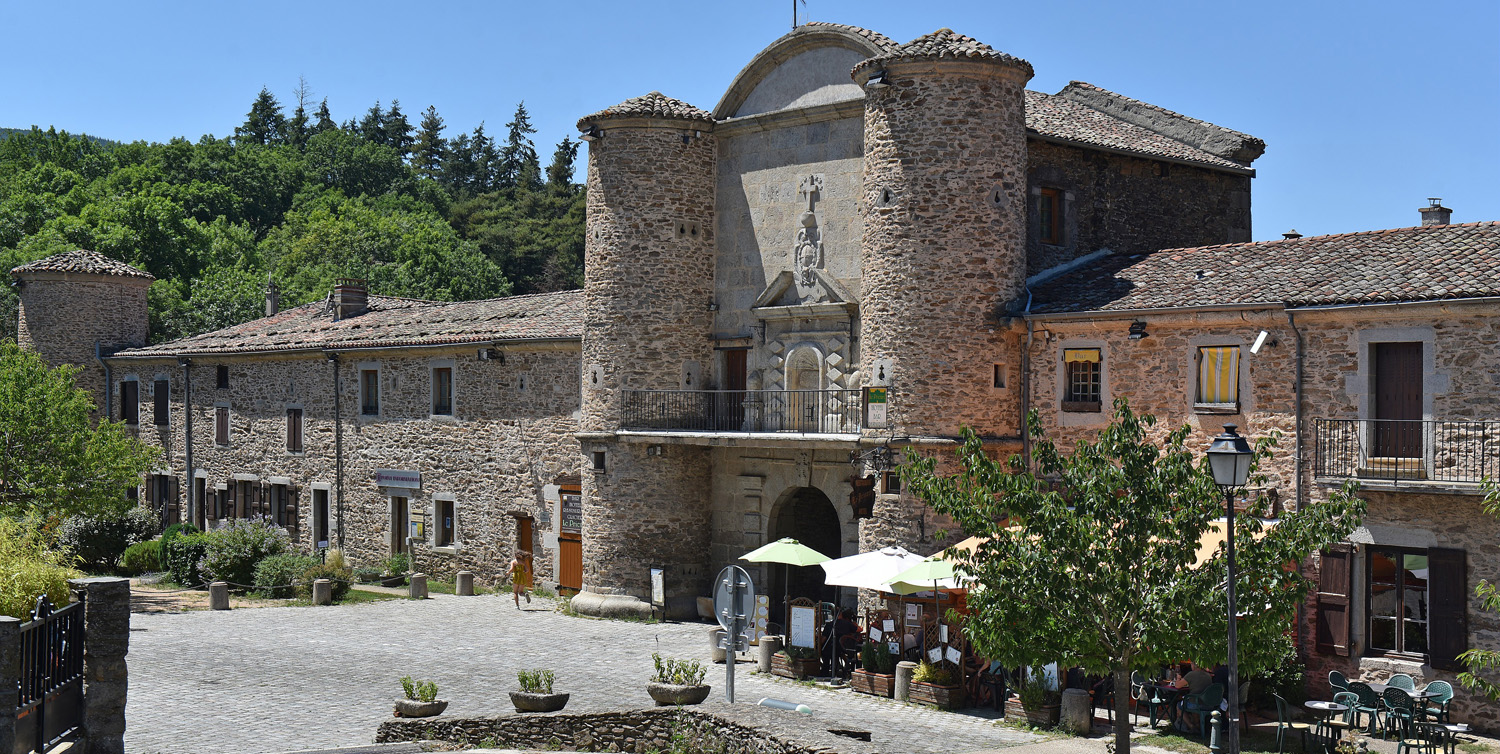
<point>1369,704</point>
<point>1428,738</point>
<point>1400,712</point>
<point>1204,704</point>
<point>1337,681</point>
<point>1402,681</point>
<point>1437,706</point>
<point>1339,723</point>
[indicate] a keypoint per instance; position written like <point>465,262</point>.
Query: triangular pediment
<point>783,291</point>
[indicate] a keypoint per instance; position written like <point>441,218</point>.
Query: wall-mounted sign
<point>571,517</point>
<point>397,478</point>
<point>875,402</point>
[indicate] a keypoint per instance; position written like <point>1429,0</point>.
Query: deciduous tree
<point>1484,664</point>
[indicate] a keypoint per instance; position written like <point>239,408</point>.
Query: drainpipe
<point>109,387</point>
<point>187,430</point>
<point>338,444</point>
<point>1292,321</point>
<point>1026,383</point>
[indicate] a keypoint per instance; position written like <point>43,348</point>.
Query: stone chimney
<point>273,297</point>
<point>1289,235</point>
<point>349,298</point>
<point>1435,213</point>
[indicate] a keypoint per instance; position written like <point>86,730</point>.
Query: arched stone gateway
<point>808,516</point>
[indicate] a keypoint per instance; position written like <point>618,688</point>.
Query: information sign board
<point>802,625</point>
<point>571,516</point>
<point>875,403</point>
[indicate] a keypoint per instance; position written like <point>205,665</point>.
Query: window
<point>398,524</point>
<point>161,394</point>
<point>223,374</point>
<point>892,481</point>
<point>221,425</point>
<point>1049,213</point>
<point>1397,601</point>
<point>998,376</point>
<point>369,392</point>
<point>130,402</point>
<point>294,430</point>
<point>446,526</point>
<point>1082,378</point>
<point>599,461</point>
<point>442,391</point>
<point>1218,378</point>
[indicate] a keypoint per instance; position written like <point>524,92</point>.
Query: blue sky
<point>1368,107</point>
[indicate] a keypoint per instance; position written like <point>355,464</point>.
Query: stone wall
<point>508,441</point>
<point>1130,204</point>
<point>732,729</point>
<point>64,315</point>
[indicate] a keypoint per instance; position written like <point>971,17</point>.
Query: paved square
<point>287,678</point>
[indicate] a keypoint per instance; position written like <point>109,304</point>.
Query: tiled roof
<point>1060,118</point>
<point>1423,263</point>
<point>1077,87</point>
<point>876,38</point>
<point>85,262</point>
<point>945,43</point>
<point>652,105</point>
<point>391,323</point>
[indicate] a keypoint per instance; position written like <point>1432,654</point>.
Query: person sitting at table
<point>1196,680</point>
<point>1179,675</point>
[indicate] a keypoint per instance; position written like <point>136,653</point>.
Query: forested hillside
<point>302,200</point>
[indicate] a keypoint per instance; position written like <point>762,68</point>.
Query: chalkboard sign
<point>571,519</point>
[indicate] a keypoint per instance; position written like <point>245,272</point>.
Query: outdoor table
<point>1169,695</point>
<point>1323,711</point>
<point>1450,742</point>
<point>1381,687</point>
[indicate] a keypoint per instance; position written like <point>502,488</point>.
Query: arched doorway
<point>808,516</point>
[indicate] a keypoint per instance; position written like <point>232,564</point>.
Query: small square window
<point>223,374</point>
<point>998,378</point>
<point>892,482</point>
<point>599,460</point>
<point>1082,379</point>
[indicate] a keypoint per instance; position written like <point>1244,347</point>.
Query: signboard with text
<point>411,480</point>
<point>875,403</point>
<point>571,517</point>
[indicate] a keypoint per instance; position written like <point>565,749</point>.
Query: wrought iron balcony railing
<point>1458,451</point>
<point>807,411</point>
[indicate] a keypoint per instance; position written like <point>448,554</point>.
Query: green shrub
<point>29,568</point>
<point>336,570</point>
<point>281,576</point>
<point>235,548</point>
<point>425,691</point>
<point>397,564</point>
<point>98,541</point>
<point>799,653</point>
<point>537,681</point>
<point>366,575</point>
<point>183,561</point>
<point>141,557</point>
<point>677,672</point>
<point>169,536</point>
<point>875,657</point>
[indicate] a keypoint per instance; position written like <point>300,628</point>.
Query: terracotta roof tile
<point>1423,263</point>
<point>945,43</point>
<point>391,323</point>
<point>879,40</point>
<point>1060,118</point>
<point>652,105</point>
<point>85,262</point>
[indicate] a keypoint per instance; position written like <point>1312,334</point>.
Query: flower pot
<point>415,708</point>
<point>946,697</point>
<point>671,694</point>
<point>787,667</point>
<point>876,684</point>
<point>528,702</point>
<point>1044,716</point>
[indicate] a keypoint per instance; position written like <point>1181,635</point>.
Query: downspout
<point>1026,384</point>
<point>338,444</point>
<point>1292,322</point>
<point>109,386</point>
<point>187,431</point>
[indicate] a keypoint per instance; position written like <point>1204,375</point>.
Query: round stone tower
<point>78,305</point>
<point>649,257</point>
<point>943,249</point>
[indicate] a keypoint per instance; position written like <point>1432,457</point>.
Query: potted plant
<point>536,692</point>
<point>1039,700</point>
<point>677,682</point>
<point>935,685</point>
<point>876,674</point>
<point>795,662</point>
<point>421,699</point>
<point>395,568</point>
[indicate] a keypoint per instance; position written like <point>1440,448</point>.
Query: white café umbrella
<point>867,570</point>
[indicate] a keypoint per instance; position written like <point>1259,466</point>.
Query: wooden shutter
<point>1335,582</point>
<point>1447,607</point>
<point>293,494</point>
<point>173,509</point>
<point>229,502</point>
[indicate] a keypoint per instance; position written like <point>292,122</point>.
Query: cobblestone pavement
<point>287,678</point>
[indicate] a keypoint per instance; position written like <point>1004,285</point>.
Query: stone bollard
<point>1213,732</point>
<point>1077,712</point>
<point>417,588</point>
<point>904,669</point>
<point>10,679</point>
<point>769,646</point>
<point>322,593</point>
<point>463,584</point>
<point>218,596</point>
<point>716,644</point>
<point>106,637</point>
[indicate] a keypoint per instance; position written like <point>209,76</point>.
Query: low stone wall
<point>731,729</point>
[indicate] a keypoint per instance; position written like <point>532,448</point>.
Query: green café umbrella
<point>788,551</point>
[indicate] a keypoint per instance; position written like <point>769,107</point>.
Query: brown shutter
<point>1334,585</point>
<point>230,511</point>
<point>173,509</point>
<point>1447,607</point>
<point>292,495</point>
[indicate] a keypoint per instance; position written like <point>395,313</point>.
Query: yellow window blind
<point>1219,374</point>
<point>1090,355</point>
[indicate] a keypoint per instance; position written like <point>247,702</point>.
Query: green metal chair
<point>1400,712</point>
<point>1402,681</point>
<point>1437,706</point>
<point>1337,681</point>
<point>1284,724</point>
<point>1427,738</point>
<point>1340,723</point>
<point>1204,704</point>
<point>1369,704</point>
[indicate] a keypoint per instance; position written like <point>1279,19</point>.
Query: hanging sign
<point>571,517</point>
<point>935,655</point>
<point>397,478</point>
<point>953,655</point>
<point>875,402</point>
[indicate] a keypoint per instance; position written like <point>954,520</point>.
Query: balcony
<point>1438,452</point>
<point>827,412</point>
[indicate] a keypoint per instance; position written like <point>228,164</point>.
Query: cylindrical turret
<point>78,304</point>
<point>944,249</point>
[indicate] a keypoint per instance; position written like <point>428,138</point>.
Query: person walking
<point>520,577</point>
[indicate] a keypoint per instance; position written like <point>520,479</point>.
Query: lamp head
<point>1229,458</point>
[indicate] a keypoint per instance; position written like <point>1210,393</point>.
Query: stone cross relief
<point>808,254</point>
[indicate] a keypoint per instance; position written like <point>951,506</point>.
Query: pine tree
<point>519,166</point>
<point>560,172</point>
<point>372,126</point>
<point>487,162</point>
<point>265,123</point>
<point>458,167</point>
<point>398,130</point>
<point>431,148</point>
<point>325,119</point>
<point>296,128</point>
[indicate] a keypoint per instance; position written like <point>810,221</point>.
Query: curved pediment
<point>810,66</point>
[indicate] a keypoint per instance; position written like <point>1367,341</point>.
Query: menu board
<point>571,519</point>
<point>803,622</point>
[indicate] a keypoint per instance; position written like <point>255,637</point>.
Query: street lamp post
<point>1229,459</point>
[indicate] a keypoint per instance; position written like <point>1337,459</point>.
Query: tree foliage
<point>1484,664</point>
<point>1091,558</point>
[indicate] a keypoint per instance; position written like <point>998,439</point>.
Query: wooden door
<point>1398,400</point>
<point>524,534</point>
<point>570,539</point>
<point>398,525</point>
<point>734,386</point>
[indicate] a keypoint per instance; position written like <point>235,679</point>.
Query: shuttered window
<point>1448,607</point>
<point>130,402</point>
<point>442,391</point>
<point>1082,376</point>
<point>221,425</point>
<point>369,392</point>
<point>1049,215</point>
<point>1218,377</point>
<point>161,393</point>
<point>294,430</point>
<point>1397,601</point>
<point>1334,587</point>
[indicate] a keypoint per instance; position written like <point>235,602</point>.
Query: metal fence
<point>1439,450</point>
<point>810,411</point>
<point>51,704</point>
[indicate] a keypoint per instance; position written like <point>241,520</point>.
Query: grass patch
<point>449,587</point>
<point>355,597</point>
<point>1475,747</point>
<point>1255,742</point>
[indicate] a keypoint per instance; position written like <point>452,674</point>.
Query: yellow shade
<point>1090,355</point>
<point>1219,374</point>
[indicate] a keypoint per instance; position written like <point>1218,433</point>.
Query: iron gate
<point>51,704</point>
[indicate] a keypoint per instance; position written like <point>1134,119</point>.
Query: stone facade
<point>73,317</point>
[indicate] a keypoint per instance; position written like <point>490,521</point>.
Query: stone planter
<point>945,697</point>
<point>393,581</point>
<point>1014,712</point>
<point>876,684</point>
<point>671,694</point>
<point>1044,716</point>
<point>527,702</point>
<point>415,708</point>
<point>786,667</point>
